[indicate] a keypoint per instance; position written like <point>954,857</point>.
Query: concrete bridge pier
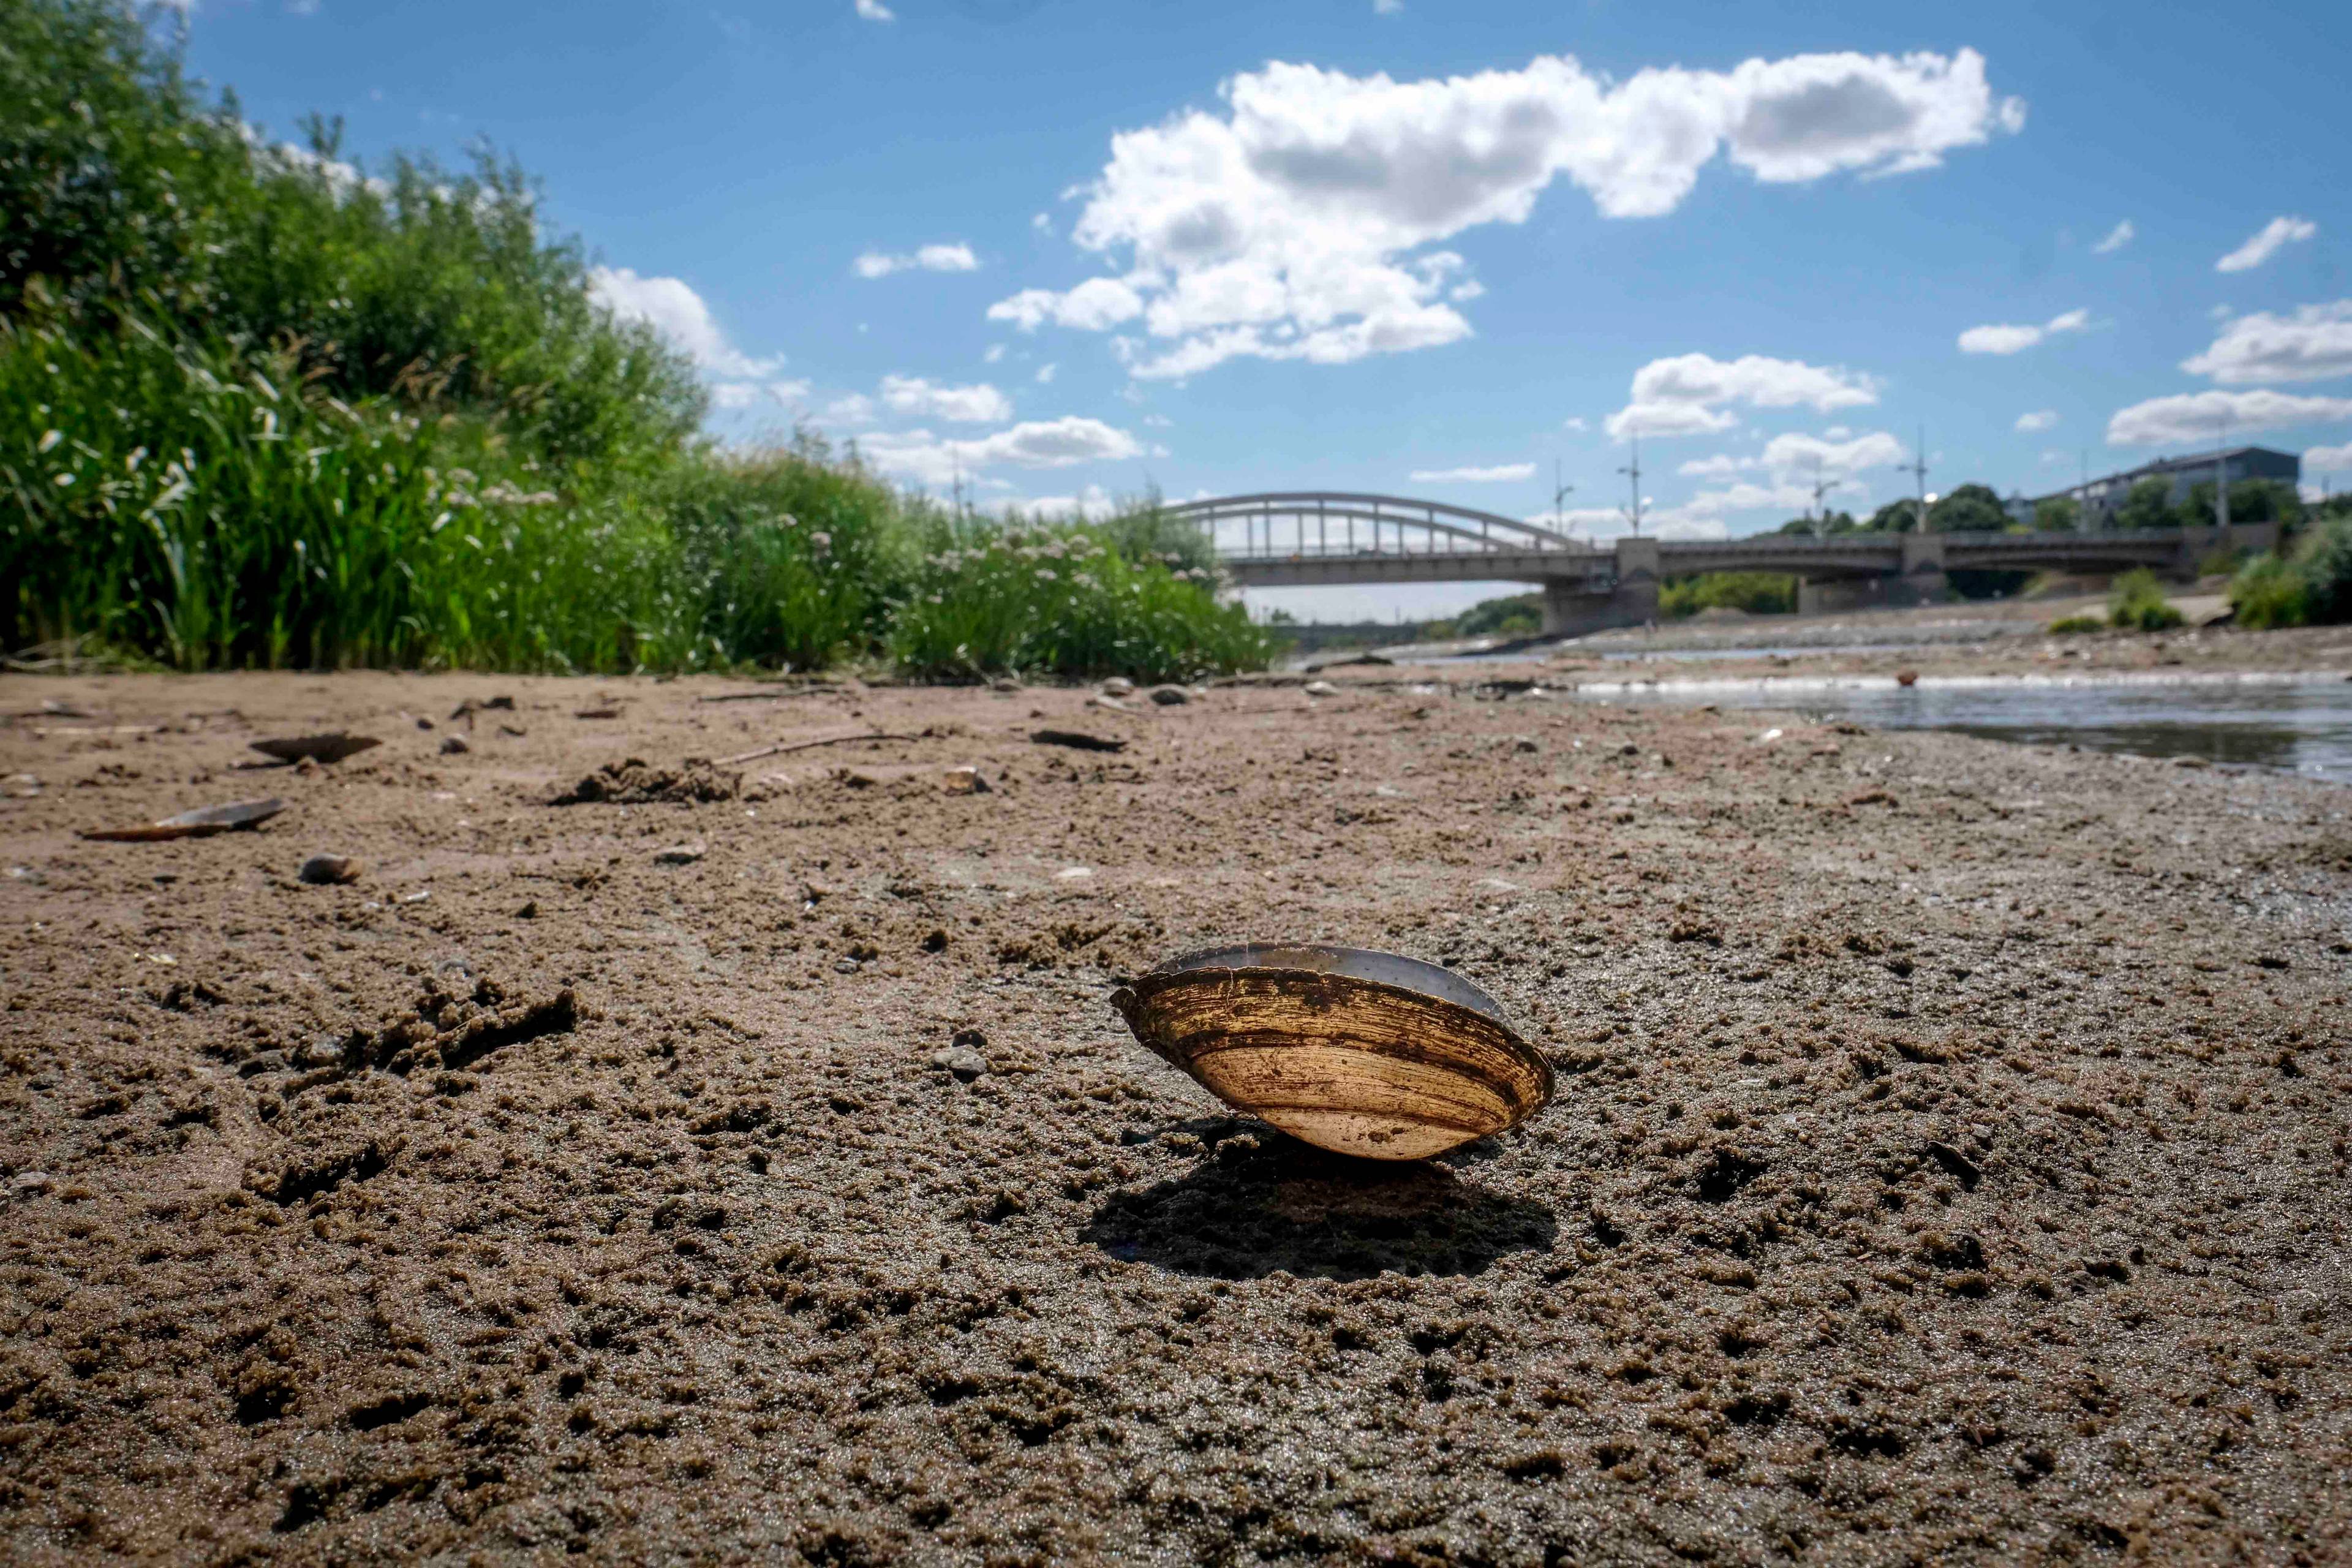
<point>1572,609</point>
<point>1920,580</point>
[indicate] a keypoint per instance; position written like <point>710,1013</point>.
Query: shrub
<point>2312,585</point>
<point>1757,592</point>
<point>1059,600</point>
<point>2136,603</point>
<point>2267,594</point>
<point>2074,626</point>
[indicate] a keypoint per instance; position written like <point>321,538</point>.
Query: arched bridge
<point>1309,538</point>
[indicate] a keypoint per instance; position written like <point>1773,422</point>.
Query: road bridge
<point>1297,538</point>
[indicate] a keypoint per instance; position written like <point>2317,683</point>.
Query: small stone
<point>1119,685</point>
<point>326,870</point>
<point>30,1183</point>
<point>845,966</point>
<point>309,767</point>
<point>20,786</point>
<point>678,855</point>
<point>422,722</point>
<point>1523,743</point>
<point>530,910</point>
<point>962,1060</point>
<point>1170,695</point>
<point>1005,683</point>
<point>1105,700</point>
<point>454,746</point>
<point>964,781</point>
<point>1629,750</point>
<point>1906,678</point>
<point>2191,763</point>
<point>1321,689</point>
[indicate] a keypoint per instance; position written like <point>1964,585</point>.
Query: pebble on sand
<point>326,870</point>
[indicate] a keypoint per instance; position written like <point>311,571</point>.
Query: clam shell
<point>1355,1051</point>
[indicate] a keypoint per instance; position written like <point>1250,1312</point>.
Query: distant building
<point>2101,497</point>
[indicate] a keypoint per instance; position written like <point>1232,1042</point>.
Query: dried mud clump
<point>638,783</point>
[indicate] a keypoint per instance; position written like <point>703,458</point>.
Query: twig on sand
<point>778,695</point>
<point>777,750</point>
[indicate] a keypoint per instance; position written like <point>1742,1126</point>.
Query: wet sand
<point>1950,1161</point>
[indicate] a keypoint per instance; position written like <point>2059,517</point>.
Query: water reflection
<point>2300,724</point>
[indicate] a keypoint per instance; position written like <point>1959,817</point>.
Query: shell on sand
<point>1358,1052</point>
<point>332,748</point>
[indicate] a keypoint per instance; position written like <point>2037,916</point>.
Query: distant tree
<point>1894,517</point>
<point>1970,508</point>
<point>2057,514</point>
<point>2251,501</point>
<point>1834,522</point>
<point>1517,615</point>
<point>2149,504</point>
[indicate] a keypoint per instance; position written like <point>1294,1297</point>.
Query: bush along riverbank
<point>262,408</point>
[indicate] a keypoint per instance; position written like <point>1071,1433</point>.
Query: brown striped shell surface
<point>1358,1052</point>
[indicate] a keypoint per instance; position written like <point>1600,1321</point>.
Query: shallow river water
<point>2299,722</point>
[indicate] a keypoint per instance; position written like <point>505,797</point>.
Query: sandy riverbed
<point>1950,1159</point>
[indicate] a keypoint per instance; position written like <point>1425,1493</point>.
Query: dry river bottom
<point>744,1162</point>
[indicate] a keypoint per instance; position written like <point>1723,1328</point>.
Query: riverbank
<point>1948,1160</point>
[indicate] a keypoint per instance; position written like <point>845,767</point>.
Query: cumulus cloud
<point>2265,243</point>
<point>2040,419</point>
<point>980,403</point>
<point>2191,418</point>
<point>1094,306</point>
<point>1722,466</point>
<point>675,311</point>
<point>1046,374</point>
<point>875,10</point>
<point>2011,340</point>
<point>1091,501</point>
<point>1283,224</point>
<point>1032,444</point>
<point>1794,454</point>
<point>2314,343</point>
<point>1684,395</point>
<point>1499,473</point>
<point>2328,459</point>
<point>2123,234</point>
<point>955,257</point>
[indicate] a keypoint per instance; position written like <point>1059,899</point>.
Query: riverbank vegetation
<point>263,406</point>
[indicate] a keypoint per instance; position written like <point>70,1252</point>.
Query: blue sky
<point>1063,250</point>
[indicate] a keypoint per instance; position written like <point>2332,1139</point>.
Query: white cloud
<point>980,403</point>
<point>995,352</point>
<point>955,257</point>
<point>2313,344</point>
<point>1033,444</point>
<point>1801,454</point>
<point>2123,234</point>
<point>736,394</point>
<point>2011,340</point>
<point>2194,418</point>
<point>1092,501</point>
<point>854,409</point>
<point>1499,473</point>
<point>1574,422</point>
<point>1680,396</point>
<point>1388,7</point>
<point>675,311</point>
<point>1279,226</point>
<point>2279,231</point>
<point>1046,374</point>
<point>2040,419</point>
<point>1041,221</point>
<point>875,10</point>
<point>1722,466</point>
<point>2328,459</point>
<point>1094,306</point>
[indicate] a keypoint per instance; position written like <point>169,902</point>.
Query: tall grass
<point>1062,600</point>
<point>1757,592</point>
<point>261,406</point>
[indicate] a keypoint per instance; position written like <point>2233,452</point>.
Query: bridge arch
<point>1352,523</point>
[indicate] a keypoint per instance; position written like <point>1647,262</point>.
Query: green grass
<point>263,408</point>
<point>1037,600</point>
<point>2076,625</point>
<point>1757,592</point>
<point>2135,603</point>
<point>2310,586</point>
